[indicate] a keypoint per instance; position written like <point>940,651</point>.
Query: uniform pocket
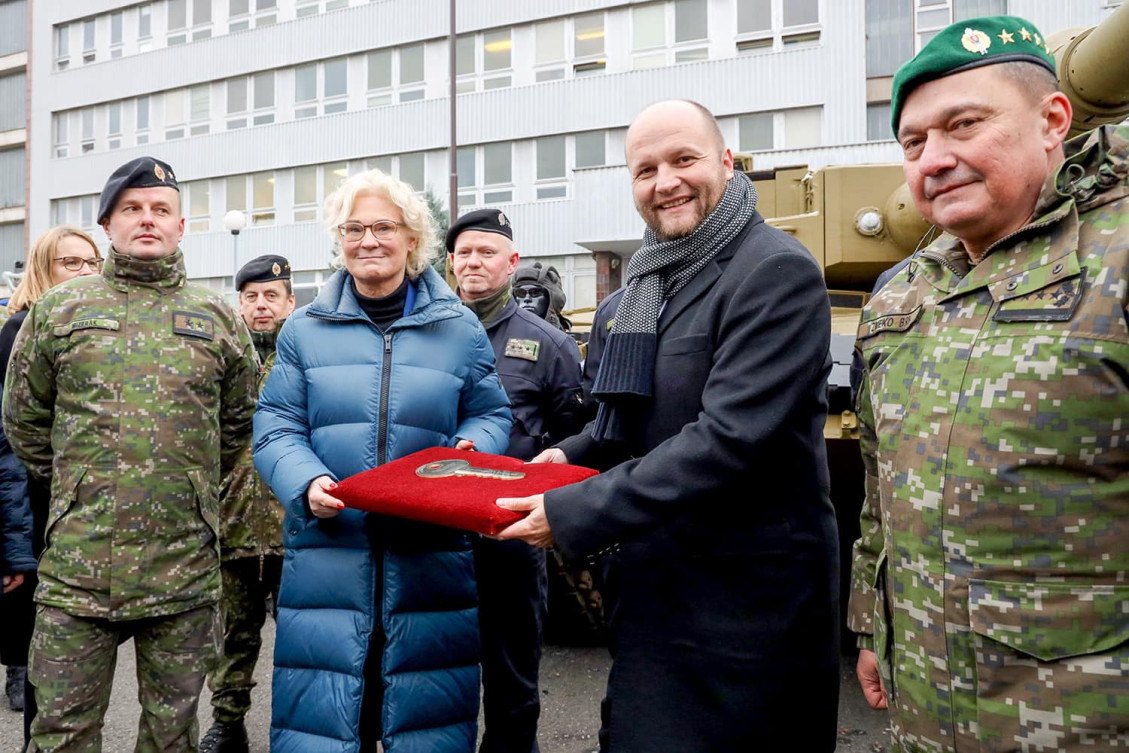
<point>64,494</point>
<point>1052,664</point>
<point>206,502</point>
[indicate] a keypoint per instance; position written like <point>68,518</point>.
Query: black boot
<point>14,687</point>
<point>225,737</point>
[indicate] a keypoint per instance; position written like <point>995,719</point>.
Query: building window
<point>411,170</point>
<point>306,91</point>
<point>800,128</point>
<point>379,77</point>
<point>235,187</point>
<point>466,161</point>
<point>62,46</point>
<point>411,72</point>
<point>86,212</point>
<point>775,24</point>
<point>305,193</point>
<point>114,125</point>
<point>266,12</point>
<point>497,173</point>
<point>238,15</point>
<point>200,98</point>
<point>878,122</point>
<point>62,120</point>
<point>551,172</point>
<point>236,89</point>
<point>263,97</point>
<point>648,39</point>
<point>262,198</point>
<point>198,201</point>
<point>590,149</point>
<point>691,30</point>
<point>174,114</point>
<point>312,7</point>
<point>86,117</point>
<point>201,19</point>
<point>549,55</point>
<point>335,85</point>
<point>177,16</point>
<point>142,120</point>
<point>889,36</point>
<point>144,27</point>
<point>116,22</point>
<point>88,41</point>
<point>588,44</point>
<point>484,58</point>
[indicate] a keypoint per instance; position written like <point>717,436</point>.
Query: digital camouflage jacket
<point>131,394</point>
<point>993,568</point>
<point>251,516</point>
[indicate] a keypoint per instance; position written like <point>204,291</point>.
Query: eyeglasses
<point>528,291</point>
<point>74,263</point>
<point>382,230</point>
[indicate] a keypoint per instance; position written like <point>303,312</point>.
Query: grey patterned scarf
<point>655,274</point>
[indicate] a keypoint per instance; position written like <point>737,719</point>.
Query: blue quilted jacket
<point>341,399</point>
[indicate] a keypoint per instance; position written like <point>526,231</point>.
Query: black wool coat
<point>718,534</point>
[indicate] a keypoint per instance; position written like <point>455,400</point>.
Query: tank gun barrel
<point>1093,70</point>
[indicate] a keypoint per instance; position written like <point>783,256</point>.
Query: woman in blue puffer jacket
<point>377,625</point>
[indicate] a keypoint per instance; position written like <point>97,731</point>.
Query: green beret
<point>969,44</point>
<point>143,172</point>
<point>263,269</point>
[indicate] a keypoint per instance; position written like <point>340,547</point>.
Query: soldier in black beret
<point>539,366</point>
<point>250,526</point>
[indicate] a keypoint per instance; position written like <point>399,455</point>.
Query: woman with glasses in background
<point>60,254</point>
<point>377,625</point>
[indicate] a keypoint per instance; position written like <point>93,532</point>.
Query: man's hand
<point>871,681</point>
<point>551,455</point>
<point>321,504</point>
<point>13,581</point>
<point>534,528</point>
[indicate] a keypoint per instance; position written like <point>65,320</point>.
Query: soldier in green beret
<point>250,526</point>
<point>991,581</point>
<point>130,395</point>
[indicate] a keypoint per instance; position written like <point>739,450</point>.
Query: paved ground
<point>572,683</point>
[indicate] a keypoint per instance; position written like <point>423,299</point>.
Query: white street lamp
<point>234,221</point>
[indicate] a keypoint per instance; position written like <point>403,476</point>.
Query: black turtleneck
<point>384,311</point>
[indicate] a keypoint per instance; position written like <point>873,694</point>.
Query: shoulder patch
<point>92,322</point>
<point>194,325</point>
<point>527,349</point>
<point>896,322</point>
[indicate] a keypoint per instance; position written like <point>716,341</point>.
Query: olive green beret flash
<point>143,172</point>
<point>969,44</point>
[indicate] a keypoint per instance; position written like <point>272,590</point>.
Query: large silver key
<point>448,468</point>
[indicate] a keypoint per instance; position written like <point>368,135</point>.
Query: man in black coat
<point>712,512</point>
<point>539,366</point>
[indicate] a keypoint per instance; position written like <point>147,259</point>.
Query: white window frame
<point>778,36</point>
<point>141,132</point>
<point>481,192</point>
<point>265,114</point>
<point>781,131</point>
<point>114,137</point>
<point>89,46</point>
<point>61,134</point>
<point>199,123</point>
<point>553,186</point>
<point>377,96</point>
<point>117,24</point>
<point>196,222</point>
<point>62,46</point>
<point>86,129</point>
<point>263,215</point>
<point>177,129</point>
<point>480,79</point>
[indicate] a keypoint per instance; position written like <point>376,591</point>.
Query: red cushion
<point>464,502</point>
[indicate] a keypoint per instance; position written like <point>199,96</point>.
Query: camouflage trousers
<point>72,664</point>
<point>247,584</point>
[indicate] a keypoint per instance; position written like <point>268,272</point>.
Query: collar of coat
<point>122,271</point>
<point>429,300</point>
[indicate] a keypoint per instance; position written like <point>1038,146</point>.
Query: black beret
<point>486,220</point>
<point>143,172</point>
<point>263,269</point>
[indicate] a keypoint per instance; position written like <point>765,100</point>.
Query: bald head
<point>682,110</point>
<point>679,166</point>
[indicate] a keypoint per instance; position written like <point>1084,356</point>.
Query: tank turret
<point>1093,70</point>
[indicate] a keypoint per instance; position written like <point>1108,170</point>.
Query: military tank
<point>860,220</point>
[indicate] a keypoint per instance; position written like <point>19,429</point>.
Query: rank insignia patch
<point>527,349</point>
<point>194,325</point>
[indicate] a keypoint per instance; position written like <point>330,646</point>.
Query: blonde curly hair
<point>419,223</point>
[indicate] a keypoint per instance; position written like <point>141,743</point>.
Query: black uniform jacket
<point>715,522</point>
<point>539,365</point>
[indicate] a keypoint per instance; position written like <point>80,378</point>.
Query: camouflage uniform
<point>131,395</point>
<point>992,575</point>
<point>251,543</point>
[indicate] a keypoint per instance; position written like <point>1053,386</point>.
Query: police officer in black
<point>539,366</point>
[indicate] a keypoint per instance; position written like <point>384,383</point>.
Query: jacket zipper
<point>382,427</point>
